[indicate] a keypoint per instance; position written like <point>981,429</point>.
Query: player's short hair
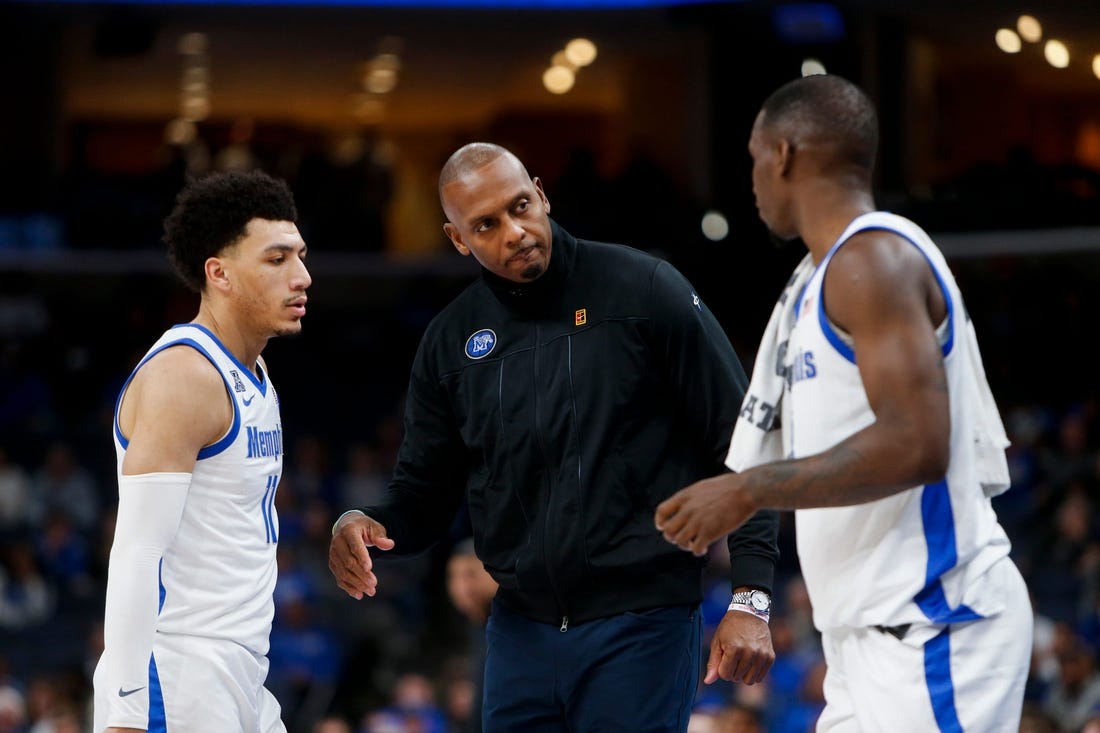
<point>212,213</point>
<point>828,109</point>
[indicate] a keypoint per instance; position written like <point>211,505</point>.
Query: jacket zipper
<point>550,487</point>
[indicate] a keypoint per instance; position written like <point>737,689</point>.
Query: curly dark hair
<point>212,212</point>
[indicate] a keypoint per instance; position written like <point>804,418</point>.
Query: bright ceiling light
<point>1029,28</point>
<point>812,67</point>
<point>715,226</point>
<point>1056,53</point>
<point>1096,66</point>
<point>580,51</point>
<point>558,79</point>
<point>1007,40</point>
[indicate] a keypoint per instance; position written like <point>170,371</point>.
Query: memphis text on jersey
<point>264,443</point>
<point>762,413</point>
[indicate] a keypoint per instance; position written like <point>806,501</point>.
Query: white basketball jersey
<point>218,575</point>
<point>918,555</point>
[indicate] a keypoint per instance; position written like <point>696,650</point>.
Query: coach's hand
<point>741,650</point>
<point>694,517</point>
<point>348,558</point>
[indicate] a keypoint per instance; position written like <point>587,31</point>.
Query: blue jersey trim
<point>158,721</point>
<point>941,690</point>
<point>939,529</point>
<point>118,404</point>
<point>160,583</point>
<point>948,301</point>
<point>939,537</point>
<point>831,334</point>
<point>260,384</point>
<point>210,450</point>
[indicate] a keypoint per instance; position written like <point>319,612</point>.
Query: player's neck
<point>827,212</point>
<point>232,335</point>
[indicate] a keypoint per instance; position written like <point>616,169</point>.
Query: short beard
<point>532,272</point>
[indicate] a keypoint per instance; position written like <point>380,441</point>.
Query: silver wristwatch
<point>756,602</point>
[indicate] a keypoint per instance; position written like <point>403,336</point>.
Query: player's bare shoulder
<point>873,273</point>
<point>181,384</point>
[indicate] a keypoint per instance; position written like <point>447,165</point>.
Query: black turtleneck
<point>546,290</point>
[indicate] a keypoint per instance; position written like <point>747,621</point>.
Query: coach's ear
<point>542,194</point>
<point>456,238</point>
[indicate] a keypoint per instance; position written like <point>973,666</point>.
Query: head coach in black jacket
<point>565,394</point>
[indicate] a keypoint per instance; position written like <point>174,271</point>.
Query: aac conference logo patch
<point>480,343</point>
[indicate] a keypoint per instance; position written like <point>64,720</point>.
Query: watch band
<point>756,602</point>
<point>745,608</point>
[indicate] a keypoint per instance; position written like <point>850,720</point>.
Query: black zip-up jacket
<point>567,409</point>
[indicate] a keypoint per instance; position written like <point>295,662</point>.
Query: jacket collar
<point>546,289</point>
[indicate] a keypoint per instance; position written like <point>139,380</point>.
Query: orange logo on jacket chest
<point>582,316</point>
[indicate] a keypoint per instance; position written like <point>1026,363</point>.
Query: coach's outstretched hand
<point>348,558</point>
<point>694,517</point>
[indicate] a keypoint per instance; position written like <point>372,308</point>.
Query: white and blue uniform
<point>929,564</point>
<point>218,575</point>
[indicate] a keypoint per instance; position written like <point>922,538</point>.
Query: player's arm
<point>888,299</point>
<point>176,404</point>
<point>881,291</point>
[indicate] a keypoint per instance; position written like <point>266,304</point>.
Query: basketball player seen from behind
<point>199,444</point>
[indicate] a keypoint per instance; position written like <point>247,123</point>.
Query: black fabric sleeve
<point>754,551</point>
<point>704,372</point>
<point>429,478</point>
<point>710,381</point>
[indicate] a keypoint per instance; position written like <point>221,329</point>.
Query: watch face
<point>760,601</point>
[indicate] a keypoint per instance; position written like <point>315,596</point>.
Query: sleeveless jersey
<point>218,575</point>
<point>916,556</point>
